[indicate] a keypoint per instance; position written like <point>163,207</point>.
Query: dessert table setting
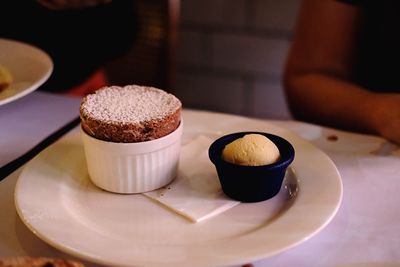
<point>167,186</point>
<point>338,204</point>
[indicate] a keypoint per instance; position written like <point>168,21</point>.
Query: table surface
<point>365,231</point>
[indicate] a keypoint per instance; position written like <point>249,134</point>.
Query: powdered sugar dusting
<point>129,104</point>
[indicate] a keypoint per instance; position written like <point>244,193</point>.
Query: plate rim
<point>39,81</point>
<point>255,256</point>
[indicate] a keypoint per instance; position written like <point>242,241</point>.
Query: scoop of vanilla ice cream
<point>251,150</point>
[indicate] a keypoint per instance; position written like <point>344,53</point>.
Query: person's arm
<point>319,68</point>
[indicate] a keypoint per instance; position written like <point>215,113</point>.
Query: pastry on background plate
<point>37,262</point>
<point>5,78</point>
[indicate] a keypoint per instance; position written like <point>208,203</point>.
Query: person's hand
<point>386,116</point>
<point>70,4</point>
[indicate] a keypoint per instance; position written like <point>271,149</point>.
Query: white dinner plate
<point>29,66</point>
<point>57,202</point>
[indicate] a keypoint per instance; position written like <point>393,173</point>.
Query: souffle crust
<point>130,114</point>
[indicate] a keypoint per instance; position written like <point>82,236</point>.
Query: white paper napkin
<point>196,192</point>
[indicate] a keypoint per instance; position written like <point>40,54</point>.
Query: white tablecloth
<point>365,231</point>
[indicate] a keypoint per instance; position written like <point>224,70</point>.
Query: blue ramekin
<point>251,183</point>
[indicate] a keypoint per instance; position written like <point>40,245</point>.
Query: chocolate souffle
<point>130,114</point>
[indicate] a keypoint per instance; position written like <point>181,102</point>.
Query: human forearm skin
<point>325,99</point>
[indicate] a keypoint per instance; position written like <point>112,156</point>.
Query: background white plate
<point>29,66</point>
<point>56,200</point>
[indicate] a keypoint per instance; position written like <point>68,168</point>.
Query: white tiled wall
<point>248,53</point>
<point>212,92</point>
<point>275,14</point>
<point>231,55</point>
<point>214,12</point>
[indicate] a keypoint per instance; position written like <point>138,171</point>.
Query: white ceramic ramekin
<point>133,167</point>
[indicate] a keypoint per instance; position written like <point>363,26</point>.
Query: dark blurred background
<point>220,55</point>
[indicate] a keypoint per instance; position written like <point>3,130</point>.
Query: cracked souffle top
<point>130,114</point>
